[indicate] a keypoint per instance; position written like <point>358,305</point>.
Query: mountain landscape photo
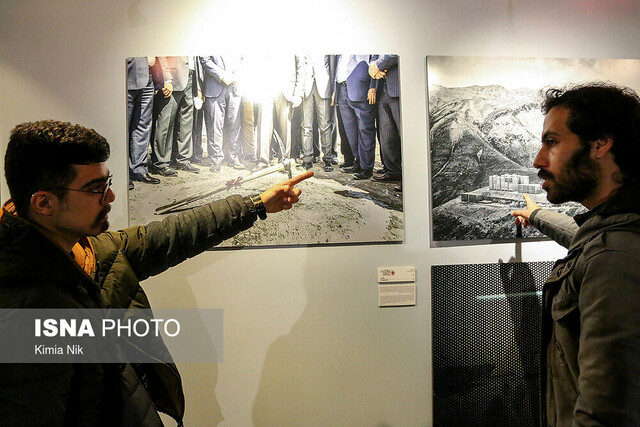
<point>476,133</point>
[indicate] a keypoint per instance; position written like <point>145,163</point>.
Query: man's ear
<point>602,146</point>
<point>43,203</point>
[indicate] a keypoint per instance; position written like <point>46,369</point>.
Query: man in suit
<point>222,109</point>
<point>355,93</point>
<point>319,74</point>
<point>385,70</point>
<point>284,92</point>
<point>198,114</point>
<point>174,108</point>
<point>139,117</point>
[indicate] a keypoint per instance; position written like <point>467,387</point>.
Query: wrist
<point>258,206</point>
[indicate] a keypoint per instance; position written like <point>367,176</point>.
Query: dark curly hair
<point>41,155</point>
<point>603,110</point>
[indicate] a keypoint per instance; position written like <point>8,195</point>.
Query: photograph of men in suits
<point>311,111</point>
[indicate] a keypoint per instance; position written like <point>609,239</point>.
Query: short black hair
<point>40,155</point>
<point>602,110</point>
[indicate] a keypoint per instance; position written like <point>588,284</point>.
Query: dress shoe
<point>307,165</point>
<point>334,161</point>
<point>131,186</point>
<point>387,177</point>
<point>328,167</point>
<point>345,164</point>
<point>144,177</point>
<point>187,167</point>
<point>235,163</point>
<point>166,171</point>
<point>214,168</point>
<point>381,170</point>
<point>258,166</point>
<point>363,174</point>
<point>398,188</point>
<point>353,169</point>
<point>250,159</point>
<point>204,161</point>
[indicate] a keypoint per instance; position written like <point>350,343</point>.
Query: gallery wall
<point>305,343</point>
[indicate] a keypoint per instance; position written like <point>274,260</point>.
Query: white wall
<point>305,343</point>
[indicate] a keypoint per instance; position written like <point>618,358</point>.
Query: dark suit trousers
<point>174,115</point>
<point>198,118</point>
<point>296,131</point>
<point>275,117</point>
<point>359,124</point>
<point>222,112</point>
<point>139,118</point>
<point>345,148</point>
<point>390,128</point>
<point>316,107</point>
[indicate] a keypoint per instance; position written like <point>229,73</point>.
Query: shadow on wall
<point>338,364</point>
<point>199,380</point>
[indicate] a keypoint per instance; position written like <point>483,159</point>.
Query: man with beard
<point>591,305</point>
<point>55,253</point>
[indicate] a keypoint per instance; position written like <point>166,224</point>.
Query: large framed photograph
<point>201,128</point>
<point>485,125</point>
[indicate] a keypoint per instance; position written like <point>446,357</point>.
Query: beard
<point>576,182</point>
<point>101,223</point>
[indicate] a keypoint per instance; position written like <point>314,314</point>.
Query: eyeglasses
<point>102,189</point>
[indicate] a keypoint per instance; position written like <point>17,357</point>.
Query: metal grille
<point>486,343</point>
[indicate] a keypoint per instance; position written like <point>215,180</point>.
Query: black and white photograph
<point>205,127</point>
<point>486,343</point>
<point>485,128</point>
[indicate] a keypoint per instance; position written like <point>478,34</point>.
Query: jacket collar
<point>621,209</point>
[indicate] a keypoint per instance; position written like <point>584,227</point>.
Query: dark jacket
<point>591,320</point>
<point>36,273</point>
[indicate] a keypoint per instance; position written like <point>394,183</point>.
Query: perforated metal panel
<point>486,343</point>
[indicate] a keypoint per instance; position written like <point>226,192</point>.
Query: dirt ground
<point>334,207</point>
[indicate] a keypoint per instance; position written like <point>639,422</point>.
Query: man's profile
<point>591,302</point>
<point>55,252</point>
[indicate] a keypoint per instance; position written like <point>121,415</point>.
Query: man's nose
<point>109,197</point>
<point>540,160</point>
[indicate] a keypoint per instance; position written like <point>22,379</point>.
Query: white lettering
<point>105,328</point>
<point>41,349</point>
<point>141,327</point>
<point>166,329</point>
<point>74,349</point>
<point>51,327</point>
<point>86,329</point>
<point>66,327</point>
<point>146,327</point>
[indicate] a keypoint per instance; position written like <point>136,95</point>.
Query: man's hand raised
<point>522,215</point>
<point>283,195</point>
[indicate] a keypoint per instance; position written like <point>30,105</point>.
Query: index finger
<point>299,178</point>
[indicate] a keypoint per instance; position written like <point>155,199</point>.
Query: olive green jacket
<point>36,273</point>
<point>591,320</point>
